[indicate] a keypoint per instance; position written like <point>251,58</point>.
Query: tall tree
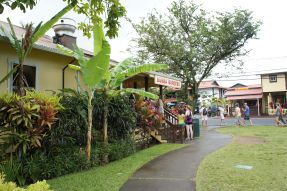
<point>192,42</point>
<point>97,12</point>
<point>24,45</point>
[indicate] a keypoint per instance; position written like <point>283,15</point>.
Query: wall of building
<point>48,65</point>
<point>209,92</point>
<point>268,86</point>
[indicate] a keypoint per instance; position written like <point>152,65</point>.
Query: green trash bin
<point>196,127</point>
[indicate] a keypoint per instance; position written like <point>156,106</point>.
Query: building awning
<point>249,97</point>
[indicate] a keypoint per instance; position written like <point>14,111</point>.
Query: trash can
<point>196,127</point>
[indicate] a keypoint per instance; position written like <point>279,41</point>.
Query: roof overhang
<point>244,97</point>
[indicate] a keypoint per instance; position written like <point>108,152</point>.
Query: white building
<point>209,89</point>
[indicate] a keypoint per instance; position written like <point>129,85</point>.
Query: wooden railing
<point>173,131</point>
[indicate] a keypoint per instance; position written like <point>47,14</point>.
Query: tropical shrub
<point>70,128</point>
<point>119,149</point>
<point>10,186</point>
<point>121,116</point>
<point>26,120</point>
<point>148,116</point>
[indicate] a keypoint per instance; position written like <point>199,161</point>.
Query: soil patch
<point>249,140</point>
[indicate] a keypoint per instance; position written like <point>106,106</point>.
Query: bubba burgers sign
<point>167,82</point>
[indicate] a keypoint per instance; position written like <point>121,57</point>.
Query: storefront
<point>153,79</point>
<point>251,94</point>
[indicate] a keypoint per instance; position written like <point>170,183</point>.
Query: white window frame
<point>11,62</point>
<point>273,80</point>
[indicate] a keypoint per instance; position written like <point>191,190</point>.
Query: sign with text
<point>167,82</point>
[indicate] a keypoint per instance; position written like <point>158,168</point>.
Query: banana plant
<point>24,45</point>
<point>99,77</point>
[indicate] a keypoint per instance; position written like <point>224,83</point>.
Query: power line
<point>247,73</point>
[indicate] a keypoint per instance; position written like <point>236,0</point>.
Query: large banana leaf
<point>48,25</point>
<point>98,34</point>
<point>74,67</point>
<point>140,92</point>
<point>122,66</point>
<point>77,53</point>
<point>141,69</point>
<point>95,70</point>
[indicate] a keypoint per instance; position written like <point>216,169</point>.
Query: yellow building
<point>46,68</point>
<point>274,88</point>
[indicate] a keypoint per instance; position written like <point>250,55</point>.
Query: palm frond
<point>48,25</point>
<point>9,74</point>
<point>15,42</point>
<point>140,92</point>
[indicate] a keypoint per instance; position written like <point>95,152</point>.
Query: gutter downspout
<point>63,73</point>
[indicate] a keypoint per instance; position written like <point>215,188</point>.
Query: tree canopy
<point>107,12</point>
<point>192,41</point>
<point>22,4</point>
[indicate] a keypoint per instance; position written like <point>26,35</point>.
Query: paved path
<point>268,121</point>
<point>176,170</point>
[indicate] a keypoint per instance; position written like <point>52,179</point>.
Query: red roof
<point>234,92</point>
<point>209,84</point>
<point>44,43</point>
<point>244,92</point>
<point>244,97</point>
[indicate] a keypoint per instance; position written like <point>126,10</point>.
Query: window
<point>30,77</point>
<point>272,78</point>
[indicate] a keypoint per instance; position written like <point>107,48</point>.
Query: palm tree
<point>99,77</point>
<point>24,45</point>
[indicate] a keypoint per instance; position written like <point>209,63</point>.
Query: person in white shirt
<point>221,113</point>
<point>238,115</point>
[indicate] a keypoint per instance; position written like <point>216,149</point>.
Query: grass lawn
<point>267,153</point>
<point>112,176</point>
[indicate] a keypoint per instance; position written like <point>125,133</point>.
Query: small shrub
<point>41,166</point>
<point>10,186</point>
<point>13,171</point>
<point>117,149</point>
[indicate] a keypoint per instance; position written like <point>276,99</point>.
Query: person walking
<point>221,114</point>
<point>204,117</point>
<point>237,115</point>
<point>188,123</point>
<point>246,110</point>
<point>279,116</point>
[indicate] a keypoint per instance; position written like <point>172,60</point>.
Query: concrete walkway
<point>176,170</point>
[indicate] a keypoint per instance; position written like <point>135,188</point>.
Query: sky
<point>268,52</point>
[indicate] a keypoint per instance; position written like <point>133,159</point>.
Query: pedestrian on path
<point>188,122</point>
<point>279,115</point>
<point>181,118</point>
<point>246,110</point>
<point>203,112</point>
<point>221,113</point>
<point>237,115</point>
